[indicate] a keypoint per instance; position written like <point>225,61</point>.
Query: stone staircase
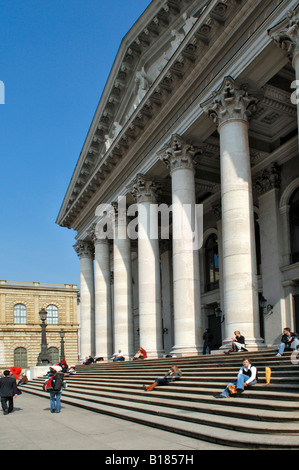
<point>263,417</point>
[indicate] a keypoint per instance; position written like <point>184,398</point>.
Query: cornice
<point>196,44</point>
<point>157,17</point>
<point>196,41</point>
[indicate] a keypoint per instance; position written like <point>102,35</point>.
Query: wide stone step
<point>192,424</point>
<point>263,417</point>
<point>227,407</point>
<point>285,402</point>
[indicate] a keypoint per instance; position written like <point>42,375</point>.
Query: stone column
<point>229,108</point>
<point>123,298</point>
<point>103,310</point>
<point>85,251</point>
<point>286,36</point>
<point>178,156</point>
<point>150,315</point>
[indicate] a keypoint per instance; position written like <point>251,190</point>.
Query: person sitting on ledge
<point>173,374</point>
<point>118,356</point>
<point>238,343</point>
<point>88,360</point>
<point>141,354</point>
<point>288,340</point>
<point>247,375</point>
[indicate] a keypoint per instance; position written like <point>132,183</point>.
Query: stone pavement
<point>31,426</point>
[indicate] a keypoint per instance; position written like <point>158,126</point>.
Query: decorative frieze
<point>286,36</point>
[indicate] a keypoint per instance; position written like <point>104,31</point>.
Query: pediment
<point>143,54</point>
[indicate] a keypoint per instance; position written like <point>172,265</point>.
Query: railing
<point>37,284</point>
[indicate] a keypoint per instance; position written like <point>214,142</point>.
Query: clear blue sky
<point>55,58</point>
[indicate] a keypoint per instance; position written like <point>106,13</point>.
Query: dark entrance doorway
<point>215,328</point>
<point>296,311</point>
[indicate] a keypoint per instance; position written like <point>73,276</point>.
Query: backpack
<point>48,384</point>
<point>58,382</point>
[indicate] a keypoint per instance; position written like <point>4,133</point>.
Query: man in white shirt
<point>118,356</point>
<point>247,375</point>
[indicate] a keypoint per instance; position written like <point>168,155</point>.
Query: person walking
<point>55,394</point>
<point>8,390</point>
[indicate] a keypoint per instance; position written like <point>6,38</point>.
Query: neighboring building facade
<point>200,108</point>
<point>20,324</point>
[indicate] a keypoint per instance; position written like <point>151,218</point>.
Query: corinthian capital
<point>229,102</point>
<point>268,179</point>
<point>177,154</point>
<point>84,249</point>
<point>144,189</point>
<point>286,34</point>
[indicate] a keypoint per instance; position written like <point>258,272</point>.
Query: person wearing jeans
<point>247,375</point>
<point>287,339</point>
<point>55,401</point>
<point>55,394</point>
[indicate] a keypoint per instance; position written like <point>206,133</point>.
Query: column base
<point>251,344</point>
<point>181,351</point>
<point>154,354</point>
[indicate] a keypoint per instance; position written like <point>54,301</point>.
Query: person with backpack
<point>55,394</point>
<point>8,390</point>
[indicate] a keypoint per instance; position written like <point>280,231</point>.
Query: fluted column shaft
<point>103,310</point>
<point>87,301</point>
<point>123,301</point>
<point>186,284</point>
<point>150,314</point>
<point>229,108</point>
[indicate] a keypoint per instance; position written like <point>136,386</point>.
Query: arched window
<point>54,355</point>
<point>52,317</point>
<point>20,358</point>
<point>20,314</point>
<point>294,226</point>
<point>212,263</point>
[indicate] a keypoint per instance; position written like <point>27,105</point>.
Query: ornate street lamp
<point>62,354</point>
<point>43,357</point>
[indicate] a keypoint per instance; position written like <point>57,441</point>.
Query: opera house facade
<point>185,197</point>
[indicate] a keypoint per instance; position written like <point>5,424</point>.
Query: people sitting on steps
<point>247,376</point>
<point>172,375</point>
<point>288,341</point>
<point>238,343</point>
<point>88,360</point>
<point>118,356</point>
<point>141,354</point>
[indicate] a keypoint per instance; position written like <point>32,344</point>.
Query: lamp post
<point>62,354</point>
<point>43,357</point>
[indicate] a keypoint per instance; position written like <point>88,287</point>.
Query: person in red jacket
<point>141,354</point>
